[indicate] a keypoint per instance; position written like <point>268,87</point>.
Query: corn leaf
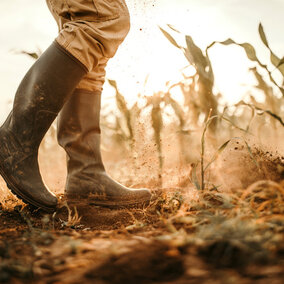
<point>217,153</point>
<point>225,42</point>
<point>194,178</point>
<point>170,38</point>
<point>33,55</point>
<point>157,124</point>
<point>251,54</point>
<point>177,109</point>
<point>275,60</point>
<point>173,28</point>
<point>251,154</point>
<point>280,63</point>
<point>250,51</point>
<point>262,35</point>
<point>195,54</point>
<point>122,106</point>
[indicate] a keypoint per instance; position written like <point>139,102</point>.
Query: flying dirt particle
<point>241,168</point>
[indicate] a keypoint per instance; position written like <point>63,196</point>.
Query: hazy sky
<point>27,25</point>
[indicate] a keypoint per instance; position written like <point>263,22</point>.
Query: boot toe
<point>43,201</point>
<point>51,202</point>
<point>143,193</point>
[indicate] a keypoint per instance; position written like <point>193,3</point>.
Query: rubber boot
<point>38,100</point>
<point>79,134</point>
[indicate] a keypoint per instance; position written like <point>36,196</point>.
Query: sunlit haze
<point>27,25</point>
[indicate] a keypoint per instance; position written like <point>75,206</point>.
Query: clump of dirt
<point>154,262</point>
<point>242,164</point>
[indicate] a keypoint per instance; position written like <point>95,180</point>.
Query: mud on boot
<point>19,168</point>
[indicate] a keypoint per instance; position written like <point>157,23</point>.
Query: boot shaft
<point>39,98</point>
<point>79,131</point>
<point>42,93</point>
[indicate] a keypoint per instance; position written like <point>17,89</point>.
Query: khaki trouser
<point>91,30</point>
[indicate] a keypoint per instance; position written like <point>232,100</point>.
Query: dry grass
<point>219,194</point>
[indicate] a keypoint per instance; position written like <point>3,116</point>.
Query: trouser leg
<point>90,30</point>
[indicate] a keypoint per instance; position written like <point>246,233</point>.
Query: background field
<point>215,168</point>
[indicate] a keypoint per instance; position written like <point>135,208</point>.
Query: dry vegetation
<point>217,176</point>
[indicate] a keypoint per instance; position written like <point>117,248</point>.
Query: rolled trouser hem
<point>78,40</point>
<point>72,56</point>
<point>86,83</point>
<point>87,92</point>
<point>67,47</point>
<point>91,30</point>
<point>90,80</point>
<point>90,86</point>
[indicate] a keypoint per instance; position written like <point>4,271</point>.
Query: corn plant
<point>204,168</point>
<point>272,101</point>
<point>251,54</point>
<point>201,88</point>
<point>123,122</point>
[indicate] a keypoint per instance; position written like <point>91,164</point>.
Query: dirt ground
<point>230,235</point>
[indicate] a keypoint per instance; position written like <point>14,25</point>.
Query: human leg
<point>79,123</point>
<point>79,134</point>
<point>90,30</point>
<point>39,98</point>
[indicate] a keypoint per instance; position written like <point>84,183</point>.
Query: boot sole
<point>23,197</point>
<point>115,204</point>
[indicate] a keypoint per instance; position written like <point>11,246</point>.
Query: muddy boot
<point>79,135</point>
<point>39,98</point>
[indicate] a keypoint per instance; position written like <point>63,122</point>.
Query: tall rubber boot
<point>39,98</point>
<point>79,134</point>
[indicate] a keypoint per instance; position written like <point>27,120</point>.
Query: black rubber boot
<point>39,98</point>
<point>79,134</point>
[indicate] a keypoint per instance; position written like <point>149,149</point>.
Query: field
<point>217,177</point>
<point>184,236</point>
